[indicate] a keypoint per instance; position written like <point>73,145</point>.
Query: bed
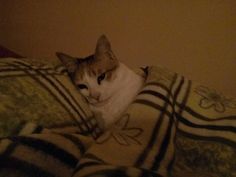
<point>175,127</point>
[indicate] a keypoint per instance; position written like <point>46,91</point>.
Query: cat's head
<point>94,75</point>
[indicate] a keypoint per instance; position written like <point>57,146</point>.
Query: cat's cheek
<point>85,93</point>
<point>105,92</point>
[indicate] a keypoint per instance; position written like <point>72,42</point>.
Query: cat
<point>107,84</point>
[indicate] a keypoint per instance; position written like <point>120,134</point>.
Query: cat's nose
<point>95,95</point>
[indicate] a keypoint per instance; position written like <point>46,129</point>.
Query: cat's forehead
<point>82,77</point>
<point>92,67</point>
<point>84,73</point>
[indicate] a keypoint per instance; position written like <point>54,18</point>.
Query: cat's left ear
<point>70,62</point>
<point>103,45</point>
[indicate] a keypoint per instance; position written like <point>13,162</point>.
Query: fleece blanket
<point>174,127</point>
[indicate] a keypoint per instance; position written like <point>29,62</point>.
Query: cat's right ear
<point>69,62</point>
<point>103,45</point>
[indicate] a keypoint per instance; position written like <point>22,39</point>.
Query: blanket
<point>174,127</point>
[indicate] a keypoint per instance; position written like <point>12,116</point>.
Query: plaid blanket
<point>174,127</point>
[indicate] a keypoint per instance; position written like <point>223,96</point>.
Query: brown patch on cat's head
<point>103,61</point>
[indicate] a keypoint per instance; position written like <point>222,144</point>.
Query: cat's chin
<point>99,103</point>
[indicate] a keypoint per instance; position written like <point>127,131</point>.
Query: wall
<point>196,38</point>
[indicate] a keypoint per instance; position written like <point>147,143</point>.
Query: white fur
<point>115,95</point>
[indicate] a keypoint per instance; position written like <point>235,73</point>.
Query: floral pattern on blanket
<point>213,99</point>
<point>122,133</point>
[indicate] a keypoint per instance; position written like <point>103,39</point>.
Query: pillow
<point>40,96</point>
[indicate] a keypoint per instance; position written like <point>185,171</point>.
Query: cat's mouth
<point>100,103</point>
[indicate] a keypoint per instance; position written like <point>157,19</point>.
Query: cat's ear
<point>103,45</point>
<point>69,62</point>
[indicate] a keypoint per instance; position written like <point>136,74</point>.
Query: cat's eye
<point>82,86</point>
<point>101,77</point>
